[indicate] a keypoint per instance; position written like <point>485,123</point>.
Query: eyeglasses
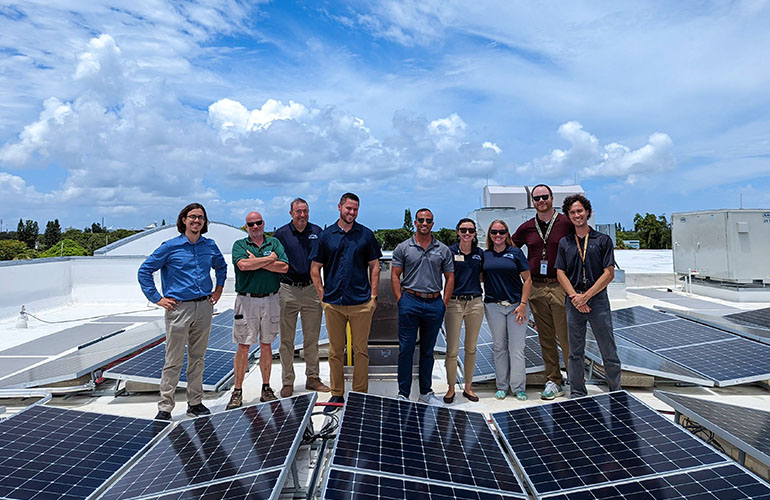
<point>255,223</point>
<point>543,197</point>
<point>467,230</point>
<point>422,220</point>
<point>196,217</point>
<point>495,232</point>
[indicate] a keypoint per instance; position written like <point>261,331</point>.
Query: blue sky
<point>127,112</point>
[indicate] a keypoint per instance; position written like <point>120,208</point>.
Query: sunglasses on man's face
<point>465,230</point>
<point>422,220</point>
<point>495,232</point>
<point>255,223</point>
<point>543,197</point>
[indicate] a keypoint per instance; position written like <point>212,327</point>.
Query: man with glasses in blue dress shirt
<point>185,265</point>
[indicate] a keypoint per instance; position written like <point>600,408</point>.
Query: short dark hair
<point>423,210</point>
<point>349,196</point>
<point>180,225</point>
<point>571,199</point>
<point>550,191</point>
<point>297,200</point>
<point>475,240</point>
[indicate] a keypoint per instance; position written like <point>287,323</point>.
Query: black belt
<point>506,303</point>
<point>424,295</point>
<point>300,284</point>
<point>465,297</point>
<point>538,279</point>
<point>199,299</point>
<point>256,295</point>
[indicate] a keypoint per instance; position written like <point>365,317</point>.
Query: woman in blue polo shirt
<point>507,284</point>
<point>464,305</point>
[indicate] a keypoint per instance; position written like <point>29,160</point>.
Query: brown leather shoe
<point>315,384</point>
<point>287,391</point>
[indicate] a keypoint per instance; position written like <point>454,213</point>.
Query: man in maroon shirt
<point>541,235</point>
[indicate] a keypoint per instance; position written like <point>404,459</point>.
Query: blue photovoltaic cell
<point>728,482</point>
<point>347,485</point>
<point>422,443</point>
<point>257,487</point>
<point>637,315</point>
<point>591,441</point>
<point>674,333</point>
<point>48,452</point>
<point>759,318</point>
<point>219,447</point>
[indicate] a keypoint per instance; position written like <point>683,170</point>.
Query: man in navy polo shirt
<point>585,265</point>
<point>298,297</point>
<point>185,264</point>
<point>423,261</point>
<point>349,255</point>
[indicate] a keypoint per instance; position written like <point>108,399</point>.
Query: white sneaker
<point>430,399</point>
<point>552,390</point>
<point>401,397</point>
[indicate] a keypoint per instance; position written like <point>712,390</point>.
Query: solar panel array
<point>390,445</point>
<point>48,452</point>
<point>758,318</point>
<point>747,429</point>
<point>239,450</point>
<point>718,356</point>
<point>611,444</point>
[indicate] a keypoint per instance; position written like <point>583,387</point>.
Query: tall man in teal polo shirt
<point>185,264</point>
<point>259,262</point>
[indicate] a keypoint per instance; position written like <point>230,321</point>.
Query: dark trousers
<point>425,315</point>
<point>600,318</point>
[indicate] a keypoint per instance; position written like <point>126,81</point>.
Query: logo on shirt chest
<point>312,237</point>
<point>509,256</point>
<point>476,257</point>
<point>266,253</point>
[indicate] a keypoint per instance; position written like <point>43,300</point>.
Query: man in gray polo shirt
<point>422,260</point>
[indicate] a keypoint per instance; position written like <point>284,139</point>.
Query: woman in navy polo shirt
<point>464,305</point>
<point>507,284</point>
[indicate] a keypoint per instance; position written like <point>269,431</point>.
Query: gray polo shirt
<point>423,269</point>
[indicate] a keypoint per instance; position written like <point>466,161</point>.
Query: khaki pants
<point>189,324</point>
<point>547,304</point>
<point>472,312</point>
<point>305,302</point>
<point>360,319</point>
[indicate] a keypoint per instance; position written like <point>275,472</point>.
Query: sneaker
<point>287,391</point>
<point>521,395</point>
<point>197,410</point>
<point>267,395</point>
<point>401,397</point>
<point>430,399</point>
<point>501,394</point>
<point>334,399</point>
<point>236,400</point>
<point>315,384</point>
<point>163,415</point>
<point>552,390</point>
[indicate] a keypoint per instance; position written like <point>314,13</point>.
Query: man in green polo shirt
<point>258,262</point>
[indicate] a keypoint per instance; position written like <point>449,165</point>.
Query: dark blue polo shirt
<point>502,274</point>
<point>298,247</point>
<point>345,258</point>
<point>467,270</point>
<point>599,255</point>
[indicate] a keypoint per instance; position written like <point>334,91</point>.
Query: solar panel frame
<point>744,420</point>
<point>636,316</point>
<point>619,465</point>
<point>244,488</point>
<point>101,445</point>
<point>725,482</point>
<point>489,479</point>
<point>744,330</point>
<point>143,484</point>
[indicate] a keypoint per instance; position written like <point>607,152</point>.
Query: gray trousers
<point>508,341</point>
<point>302,301</point>
<point>600,318</point>
<point>190,325</point>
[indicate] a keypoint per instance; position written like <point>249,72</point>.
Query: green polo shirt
<point>260,280</point>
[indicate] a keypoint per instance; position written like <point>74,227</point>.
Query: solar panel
<point>323,336</point>
<point>640,360</point>
<point>221,447</point>
<point>64,340</point>
<point>749,331</point>
<point>48,452</point>
<point>418,442</point>
<point>758,318</point>
<point>747,429</point>
<point>591,441</point>
<point>674,333</point>
<point>728,482</point>
<point>343,484</point>
<point>637,315</point>
<point>256,487</point>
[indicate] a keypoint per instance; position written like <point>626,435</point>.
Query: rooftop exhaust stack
<point>21,322</point>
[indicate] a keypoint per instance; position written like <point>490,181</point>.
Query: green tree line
<point>652,231</point>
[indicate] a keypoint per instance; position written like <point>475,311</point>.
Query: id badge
<point>543,267</point>
<point>459,258</point>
